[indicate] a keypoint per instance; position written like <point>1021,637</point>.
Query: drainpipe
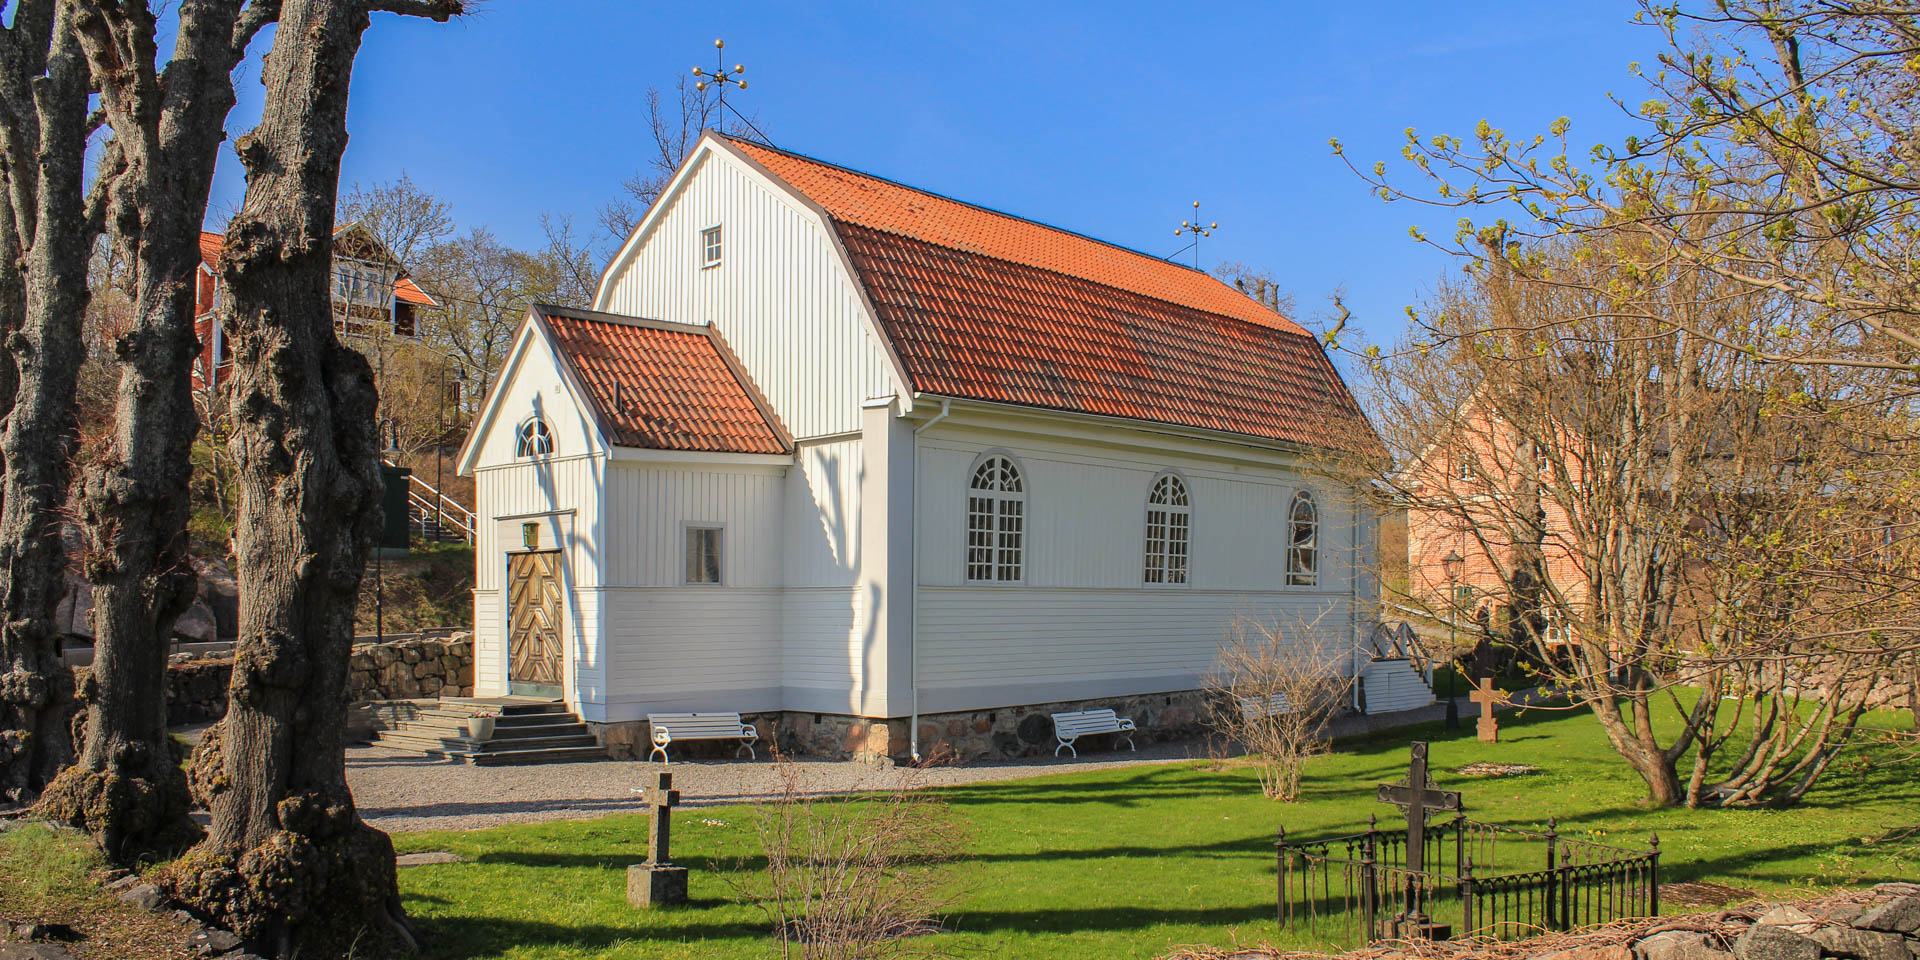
<point>913,588</point>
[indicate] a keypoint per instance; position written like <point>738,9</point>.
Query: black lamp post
<point>1453,563</point>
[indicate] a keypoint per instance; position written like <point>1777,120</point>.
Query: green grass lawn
<point>1131,863</point>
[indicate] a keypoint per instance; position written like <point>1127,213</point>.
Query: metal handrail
<point>446,510</point>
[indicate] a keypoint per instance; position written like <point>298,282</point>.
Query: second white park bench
<point>670,727</point>
<point>1068,727</point>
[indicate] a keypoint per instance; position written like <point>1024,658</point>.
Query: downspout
<point>913,587</point>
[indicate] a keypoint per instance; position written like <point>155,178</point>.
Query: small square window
<point>703,554</point>
<point>710,247</point>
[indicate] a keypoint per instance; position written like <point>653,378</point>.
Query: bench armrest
<point>748,731</point>
<point>1126,723</point>
<point>662,735</point>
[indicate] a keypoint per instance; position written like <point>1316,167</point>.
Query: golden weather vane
<point>1195,228</point>
<point>720,76</point>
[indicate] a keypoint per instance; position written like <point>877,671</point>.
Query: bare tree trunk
<point>43,116</point>
<point>287,860</point>
<point>128,789</point>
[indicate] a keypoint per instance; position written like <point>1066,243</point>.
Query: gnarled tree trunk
<point>287,860</point>
<point>127,789</point>
<point>43,137</point>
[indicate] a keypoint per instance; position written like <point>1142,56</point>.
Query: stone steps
<point>525,731</point>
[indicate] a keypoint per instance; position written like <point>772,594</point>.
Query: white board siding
<point>1086,515</point>
<point>531,487</point>
<point>823,649</point>
<point>691,649</point>
<point>822,547</point>
<point>535,385</point>
<point>780,296</point>
<point>983,647</point>
<point>651,505</point>
<point>489,645</point>
<point>1394,685</point>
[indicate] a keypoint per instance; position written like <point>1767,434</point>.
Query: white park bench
<point>671,727</point>
<point>1068,727</point>
<point>1272,705</point>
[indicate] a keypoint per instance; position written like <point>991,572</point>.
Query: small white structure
<point>849,453</point>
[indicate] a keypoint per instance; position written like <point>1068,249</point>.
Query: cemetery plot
<point>1462,876</point>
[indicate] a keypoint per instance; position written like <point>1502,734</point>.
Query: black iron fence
<point>1473,879</point>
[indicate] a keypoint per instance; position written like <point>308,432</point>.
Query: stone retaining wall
<point>411,669</point>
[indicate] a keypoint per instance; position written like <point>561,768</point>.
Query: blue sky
<point>1109,119</point>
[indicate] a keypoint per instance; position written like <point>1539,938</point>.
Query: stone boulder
<point>1764,941</point>
<point>1894,916</point>
<point>197,624</point>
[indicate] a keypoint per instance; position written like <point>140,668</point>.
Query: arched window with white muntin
<point>1169,527</point>
<point>534,439</point>
<point>1303,541</point>
<point>996,522</point>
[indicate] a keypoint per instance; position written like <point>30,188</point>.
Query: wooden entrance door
<point>534,653</point>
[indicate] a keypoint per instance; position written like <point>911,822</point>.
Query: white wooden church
<point>875,462</point>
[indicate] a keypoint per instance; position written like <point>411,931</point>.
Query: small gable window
<point>1169,520</point>
<point>996,522</point>
<point>703,555</point>
<point>535,440</point>
<point>710,247</point>
<point>1303,538</point>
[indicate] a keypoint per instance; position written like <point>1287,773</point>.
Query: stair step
<point>515,757</point>
<point>429,740</point>
<point>511,720</point>
<point>455,728</point>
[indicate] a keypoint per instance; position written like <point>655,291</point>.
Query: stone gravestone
<point>658,882</point>
<point>1486,697</point>
<point>1419,797</point>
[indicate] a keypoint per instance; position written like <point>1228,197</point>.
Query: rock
<point>427,858</point>
<point>79,609</point>
<point>1769,942</point>
<point>123,883</point>
<point>197,624</point>
<point>220,591</point>
<point>1894,916</point>
<point>146,896</point>
<point>1861,944</point>
<point>1897,889</point>
<point>1675,945</point>
<point>1789,916</point>
<point>1601,951</point>
<point>46,932</point>
<point>213,941</point>
<point>33,951</point>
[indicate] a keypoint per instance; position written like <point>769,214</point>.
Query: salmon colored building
<point>372,297</point>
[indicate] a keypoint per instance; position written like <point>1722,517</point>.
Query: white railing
<point>444,510</point>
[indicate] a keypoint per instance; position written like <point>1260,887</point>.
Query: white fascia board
<point>490,408</point>
<point>1095,428</point>
<point>532,336</point>
<point>825,223</point>
<point>700,457</point>
<point>694,160</point>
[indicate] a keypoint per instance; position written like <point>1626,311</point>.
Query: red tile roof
<point>404,290</point>
<point>665,386</point>
<point>983,305</point>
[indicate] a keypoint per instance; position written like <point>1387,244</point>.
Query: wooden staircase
<point>525,730</point>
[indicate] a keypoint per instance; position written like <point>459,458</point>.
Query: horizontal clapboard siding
<point>692,649</point>
<point>1137,641</point>
<point>1393,685</point>
<point>823,644</point>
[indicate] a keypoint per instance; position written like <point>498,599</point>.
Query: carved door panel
<point>534,651</point>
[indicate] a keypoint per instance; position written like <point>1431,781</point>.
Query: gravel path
<point>399,791</point>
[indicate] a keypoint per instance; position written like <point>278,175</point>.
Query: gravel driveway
<point>399,791</point>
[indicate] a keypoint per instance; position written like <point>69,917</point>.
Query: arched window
<point>534,439</point>
<point>996,522</point>
<point>1169,520</point>
<point>1303,538</point>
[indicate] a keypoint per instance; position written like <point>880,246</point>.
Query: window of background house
<point>710,247</point>
<point>703,554</point>
<point>996,522</point>
<point>1303,536</point>
<point>534,440</point>
<point>1169,521</point>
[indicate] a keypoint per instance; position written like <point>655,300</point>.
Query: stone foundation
<point>403,670</point>
<point>1003,733</point>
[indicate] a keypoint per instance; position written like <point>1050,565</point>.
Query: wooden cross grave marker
<point>658,882</point>
<point>1486,696</point>
<point>1418,796</point>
